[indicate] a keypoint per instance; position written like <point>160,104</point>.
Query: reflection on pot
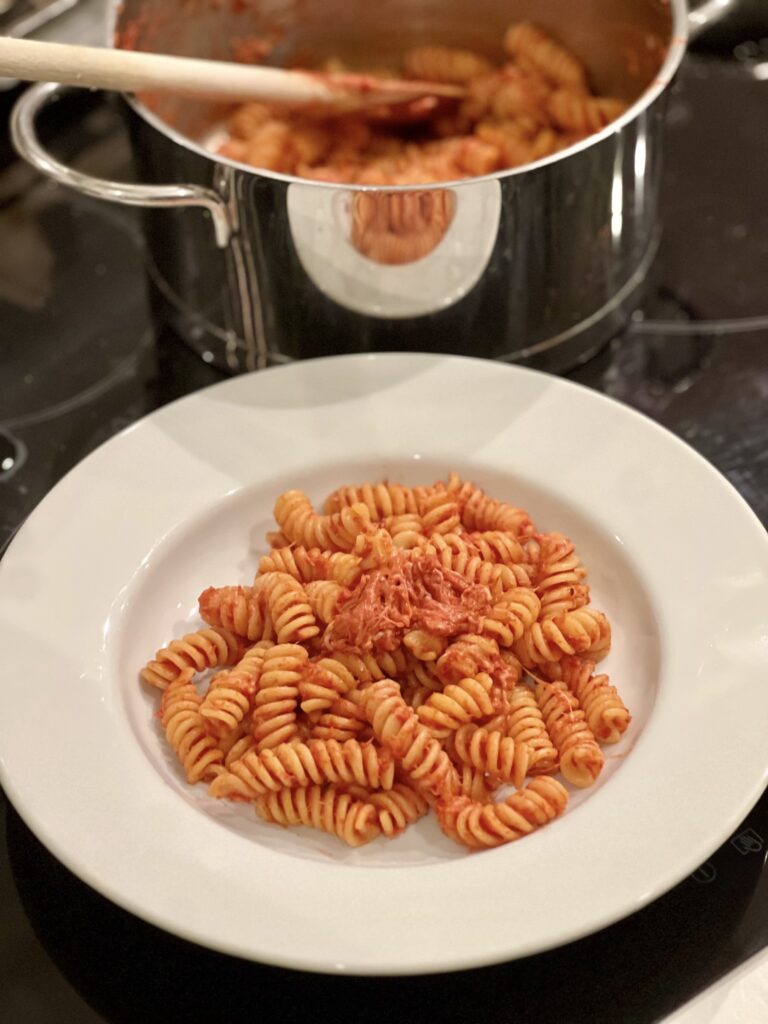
<point>400,227</point>
<point>395,254</point>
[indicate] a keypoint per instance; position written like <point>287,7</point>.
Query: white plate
<point>109,567</point>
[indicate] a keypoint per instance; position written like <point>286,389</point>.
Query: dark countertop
<point>82,359</point>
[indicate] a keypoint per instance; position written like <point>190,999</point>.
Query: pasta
<point>310,565</point>
<point>492,753</point>
<point>420,681</point>
<point>185,729</point>
<point>516,612</point>
<point>293,765</point>
<point>573,112</point>
<point>288,608</point>
<point>328,808</point>
<point>442,64</point>
<point>467,656</point>
<point>230,696</point>
<point>276,703</point>
<point>404,228</point>
<point>423,645</point>
<point>535,101</point>
<point>475,783</point>
<point>604,709</point>
<point>525,723</point>
<point>323,597</point>
<point>534,48</point>
<point>407,530</point>
<point>368,667</point>
<point>480,826</point>
<point>581,759</point>
<point>374,549</point>
<point>497,546</point>
<point>397,728</point>
<point>560,577</point>
<point>207,648</point>
<point>458,704</point>
<point>362,679</point>
<point>322,683</point>
<point>584,631</point>
<point>382,500</point>
<point>460,555</point>
<point>439,512</point>
<point>344,720</point>
<point>397,808</point>
<point>482,514</point>
<point>238,610</point>
<point>302,525</point>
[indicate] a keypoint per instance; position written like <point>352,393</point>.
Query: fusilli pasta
<point>605,711</point>
<point>185,730</point>
<point>530,107</point>
<point>456,553</point>
<point>207,648</point>
<point>276,703</point>
<point>322,682</point>
<point>344,720</point>
<point>291,765</point>
<point>406,648</point>
<point>382,500</point>
<point>398,808</point>
<point>491,752</point>
<point>480,826</point>
<point>581,759</point>
<point>230,695</point>
<point>443,64</point>
<point>323,597</point>
<point>239,610</point>
<point>328,808</point>
<point>288,607</point>
<point>302,525</point>
<point>458,704</point>
<point>535,49</point>
<point>560,576</point>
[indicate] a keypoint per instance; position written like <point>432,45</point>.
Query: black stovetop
<point>81,358</point>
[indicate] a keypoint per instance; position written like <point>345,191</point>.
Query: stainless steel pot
<point>541,264</point>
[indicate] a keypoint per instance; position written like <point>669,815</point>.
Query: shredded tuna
<point>412,591</point>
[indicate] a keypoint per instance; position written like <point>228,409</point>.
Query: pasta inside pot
<point>536,102</point>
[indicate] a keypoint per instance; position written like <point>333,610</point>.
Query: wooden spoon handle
<point>132,71</point>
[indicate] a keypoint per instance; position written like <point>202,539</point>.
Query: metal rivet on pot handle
<point>703,16</point>
<point>28,145</point>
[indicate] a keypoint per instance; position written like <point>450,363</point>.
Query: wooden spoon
<point>131,71</point>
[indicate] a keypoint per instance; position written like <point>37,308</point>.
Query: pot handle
<point>707,14</point>
<point>28,145</point>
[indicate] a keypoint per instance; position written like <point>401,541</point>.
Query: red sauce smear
<point>413,591</point>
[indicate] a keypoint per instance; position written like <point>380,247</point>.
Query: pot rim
<point>676,50</point>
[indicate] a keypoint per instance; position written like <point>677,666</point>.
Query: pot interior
<point>623,43</point>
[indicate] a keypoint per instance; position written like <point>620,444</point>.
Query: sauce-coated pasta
<point>533,102</point>
<point>369,673</point>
